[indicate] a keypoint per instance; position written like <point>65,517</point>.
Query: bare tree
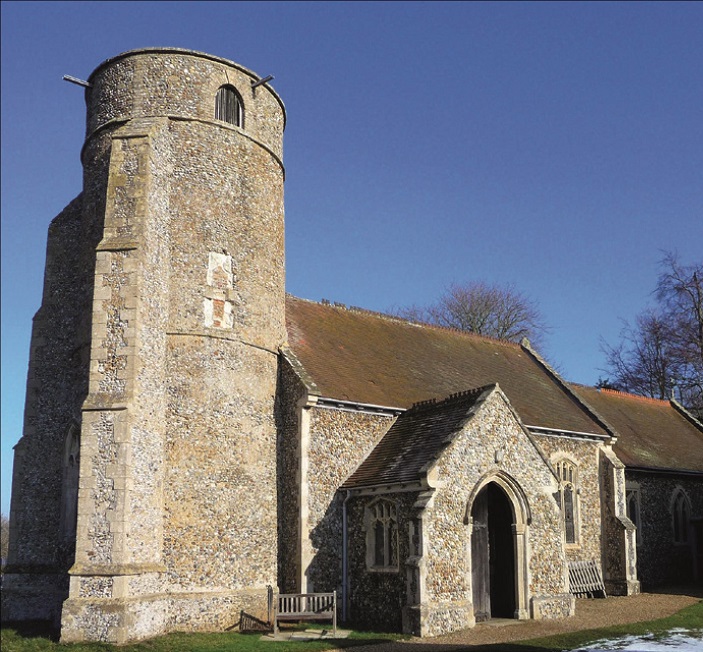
<point>680,292</point>
<point>663,352</point>
<point>4,536</point>
<point>500,312</point>
<point>641,363</point>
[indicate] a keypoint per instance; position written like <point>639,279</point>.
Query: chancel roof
<point>363,357</point>
<point>652,434</point>
<point>415,441</point>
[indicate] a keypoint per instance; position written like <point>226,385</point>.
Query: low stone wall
<point>553,607</point>
<point>436,619</point>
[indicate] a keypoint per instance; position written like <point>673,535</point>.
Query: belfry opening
<point>493,555</point>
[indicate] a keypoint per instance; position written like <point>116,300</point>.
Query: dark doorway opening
<point>493,555</point>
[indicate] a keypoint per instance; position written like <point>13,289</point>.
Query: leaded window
<point>382,535</point>
<point>568,493</point>
<point>680,512</point>
<point>632,499</point>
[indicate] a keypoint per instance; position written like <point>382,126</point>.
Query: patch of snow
<point>677,640</point>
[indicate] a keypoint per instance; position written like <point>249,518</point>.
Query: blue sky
<point>557,147</point>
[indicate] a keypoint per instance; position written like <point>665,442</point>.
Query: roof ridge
<point>635,397</point>
<point>456,397</point>
<point>575,384</point>
<point>405,320</point>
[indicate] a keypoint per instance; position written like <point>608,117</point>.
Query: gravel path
<point>589,615</point>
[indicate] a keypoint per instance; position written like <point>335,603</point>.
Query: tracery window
<point>681,514</point>
<point>382,535</point>
<point>228,106</point>
<point>568,494</point>
<point>632,500</point>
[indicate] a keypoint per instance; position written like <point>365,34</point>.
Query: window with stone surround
<point>632,501</point>
<point>69,487</point>
<point>381,536</point>
<point>568,496</point>
<point>229,106</point>
<point>680,515</point>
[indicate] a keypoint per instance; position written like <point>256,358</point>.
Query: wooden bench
<point>585,578</point>
<point>306,606</point>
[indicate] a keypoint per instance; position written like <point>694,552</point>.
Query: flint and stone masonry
<point>157,340</point>
<point>192,435</point>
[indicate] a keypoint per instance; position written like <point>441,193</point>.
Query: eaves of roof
<point>359,356</point>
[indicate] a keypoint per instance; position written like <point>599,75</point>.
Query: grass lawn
<point>690,619</point>
<point>36,639</point>
<point>12,640</point>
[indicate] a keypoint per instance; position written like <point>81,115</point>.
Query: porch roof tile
<point>415,441</point>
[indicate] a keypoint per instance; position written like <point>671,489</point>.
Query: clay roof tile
<point>652,434</point>
<point>367,357</point>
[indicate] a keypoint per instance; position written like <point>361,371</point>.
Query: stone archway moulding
<point>522,518</point>
<point>518,499</point>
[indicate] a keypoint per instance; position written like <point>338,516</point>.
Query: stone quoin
<point>194,436</point>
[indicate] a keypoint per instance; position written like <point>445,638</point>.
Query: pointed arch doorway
<point>498,517</point>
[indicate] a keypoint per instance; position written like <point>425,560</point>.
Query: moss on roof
<point>365,357</point>
<point>652,434</point>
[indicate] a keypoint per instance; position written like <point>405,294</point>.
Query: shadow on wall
<point>375,599</point>
<point>325,572</point>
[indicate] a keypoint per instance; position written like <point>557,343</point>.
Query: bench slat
<point>306,606</point>
<point>585,578</point>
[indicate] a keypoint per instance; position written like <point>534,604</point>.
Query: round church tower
<point>183,203</point>
<point>217,164</point>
